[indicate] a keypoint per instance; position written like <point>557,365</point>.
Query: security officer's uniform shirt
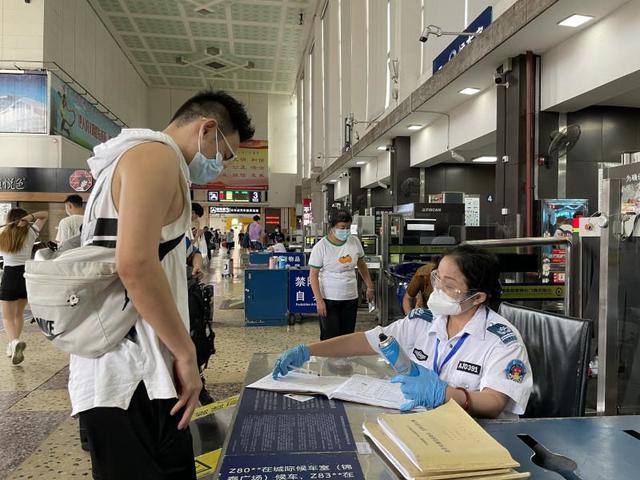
<point>492,354</point>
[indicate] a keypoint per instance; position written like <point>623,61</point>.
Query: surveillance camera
<point>423,38</point>
<point>500,80</point>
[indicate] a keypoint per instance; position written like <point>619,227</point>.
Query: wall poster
<point>75,118</point>
<point>23,102</point>
<point>249,171</point>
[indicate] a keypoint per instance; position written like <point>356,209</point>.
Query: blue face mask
<point>205,170</point>
<point>342,233</point>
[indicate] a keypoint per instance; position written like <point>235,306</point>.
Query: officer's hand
<point>423,390</point>
<point>292,358</point>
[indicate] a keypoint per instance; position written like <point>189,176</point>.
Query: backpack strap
<point>163,250</point>
<point>165,247</point>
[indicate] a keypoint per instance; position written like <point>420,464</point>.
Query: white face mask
<point>442,304</point>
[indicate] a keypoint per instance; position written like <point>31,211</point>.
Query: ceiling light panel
<point>415,127</point>
<point>361,162</point>
<point>469,91</point>
<point>485,159</point>
<point>575,21</point>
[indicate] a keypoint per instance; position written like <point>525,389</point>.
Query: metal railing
<point>572,290</point>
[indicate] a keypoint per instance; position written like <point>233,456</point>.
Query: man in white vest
<point>136,401</point>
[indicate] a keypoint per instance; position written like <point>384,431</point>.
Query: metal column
<point>609,311</point>
<point>385,240</point>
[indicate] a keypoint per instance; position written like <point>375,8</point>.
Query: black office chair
<point>558,349</point>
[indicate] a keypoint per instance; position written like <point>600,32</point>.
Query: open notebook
<point>357,388</point>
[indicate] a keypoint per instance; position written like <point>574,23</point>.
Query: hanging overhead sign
<point>481,22</point>
<point>215,210</point>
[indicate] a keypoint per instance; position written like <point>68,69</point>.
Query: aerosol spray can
<point>394,354</point>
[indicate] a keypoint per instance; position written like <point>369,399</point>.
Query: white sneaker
<point>17,354</point>
<point>9,349</point>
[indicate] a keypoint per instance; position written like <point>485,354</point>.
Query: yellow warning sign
<point>212,407</point>
<point>207,462</point>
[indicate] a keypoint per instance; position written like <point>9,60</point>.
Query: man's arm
<point>146,192</point>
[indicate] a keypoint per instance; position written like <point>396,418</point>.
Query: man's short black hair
<point>75,200</point>
<point>256,218</point>
<point>230,113</point>
<point>197,209</point>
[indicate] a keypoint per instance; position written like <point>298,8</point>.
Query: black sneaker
<point>205,397</point>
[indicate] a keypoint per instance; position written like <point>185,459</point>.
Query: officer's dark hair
<point>197,209</point>
<point>481,271</point>
<point>338,216</point>
<point>256,218</point>
<point>75,200</point>
<point>230,113</point>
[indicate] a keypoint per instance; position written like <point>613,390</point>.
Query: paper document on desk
<point>357,388</point>
<point>409,471</point>
<point>444,443</point>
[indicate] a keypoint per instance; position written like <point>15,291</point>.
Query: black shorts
<point>340,319</point>
<point>140,443</point>
<point>12,286</point>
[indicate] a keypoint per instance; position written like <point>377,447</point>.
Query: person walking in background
<point>208,237</point>
<point>230,239</point>
<point>16,243</point>
<point>333,263</point>
<point>69,226</point>
<point>255,233</point>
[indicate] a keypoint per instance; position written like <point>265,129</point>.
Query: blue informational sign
<point>292,259</point>
<point>270,422</point>
<point>301,299</point>
<point>277,437</point>
<point>336,466</point>
<point>481,22</point>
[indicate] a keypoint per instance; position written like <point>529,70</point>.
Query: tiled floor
<point>38,438</point>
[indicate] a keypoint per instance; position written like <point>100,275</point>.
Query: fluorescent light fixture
<point>12,71</point>
<point>415,127</point>
<point>575,20</point>
<point>382,148</point>
<point>361,162</point>
<point>469,91</point>
<point>485,159</point>
<point>333,181</point>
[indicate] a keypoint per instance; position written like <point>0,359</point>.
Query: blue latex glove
<point>424,390</point>
<point>292,358</point>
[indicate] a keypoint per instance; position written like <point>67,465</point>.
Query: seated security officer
<point>466,351</point>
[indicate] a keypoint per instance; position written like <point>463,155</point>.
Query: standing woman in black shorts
<point>16,242</point>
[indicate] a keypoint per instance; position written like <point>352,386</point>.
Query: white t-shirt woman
<point>333,262</point>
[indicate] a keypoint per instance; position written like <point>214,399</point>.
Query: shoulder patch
<point>421,313</point>
<point>516,370</point>
<point>420,355</point>
<point>503,332</point>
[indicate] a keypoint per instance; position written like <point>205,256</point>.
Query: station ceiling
<point>239,45</point>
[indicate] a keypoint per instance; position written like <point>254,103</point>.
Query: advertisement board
<point>75,118</point>
<point>249,171</point>
<point>49,180</point>
<point>23,103</point>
